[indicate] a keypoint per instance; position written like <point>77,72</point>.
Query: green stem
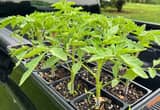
<point>73,55</point>
<point>72,83</point>
<point>126,90</point>
<point>87,68</point>
<point>106,84</point>
<point>98,82</point>
<point>72,74</point>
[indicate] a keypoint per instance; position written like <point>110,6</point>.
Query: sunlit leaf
<point>30,67</point>
<point>115,82</point>
<point>59,53</point>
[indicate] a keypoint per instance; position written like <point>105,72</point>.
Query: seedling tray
<point>152,102</point>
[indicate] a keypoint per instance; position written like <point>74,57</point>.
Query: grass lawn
<point>144,12</point>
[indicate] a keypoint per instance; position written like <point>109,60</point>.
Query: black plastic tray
<point>152,84</point>
<point>103,93</point>
<point>149,102</point>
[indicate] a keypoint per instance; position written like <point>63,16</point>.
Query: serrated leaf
<point>101,53</point>
<point>76,67</point>
<point>152,72</point>
<point>59,53</point>
<point>115,82</point>
<point>140,72</point>
<point>131,61</point>
<point>30,67</point>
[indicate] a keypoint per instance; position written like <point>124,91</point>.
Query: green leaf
<point>80,54</point>
<point>156,34</point>
<point>101,53</point>
<point>113,40</point>
<point>115,82</point>
<point>140,72</point>
<point>16,52</point>
<point>129,75</point>
<point>95,58</point>
<point>156,62</point>
<point>20,57</point>
<point>35,51</point>
<point>19,54</point>
<point>131,61</point>
<point>157,39</point>
<point>89,49</point>
<point>51,61</point>
<point>59,53</point>
<point>78,43</point>
<point>7,21</point>
<point>127,50</point>
<point>115,69</point>
<point>113,30</point>
<point>30,67</point>
<point>76,67</point>
<point>152,72</point>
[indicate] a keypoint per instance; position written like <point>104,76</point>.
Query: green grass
<point>144,12</point>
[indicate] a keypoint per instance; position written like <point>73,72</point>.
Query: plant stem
<point>98,82</point>
<point>106,84</point>
<point>126,90</point>
<point>87,68</point>
<point>72,74</point>
<point>73,55</point>
<point>72,83</point>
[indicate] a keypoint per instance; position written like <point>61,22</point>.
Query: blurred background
<point>145,10</point>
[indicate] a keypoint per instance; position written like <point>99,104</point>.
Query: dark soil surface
<point>80,87</point>
<point>89,104</point>
<point>50,76</point>
<point>39,66</point>
<point>133,93</point>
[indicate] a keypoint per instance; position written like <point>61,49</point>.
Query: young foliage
<point>30,67</point>
<point>71,34</point>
